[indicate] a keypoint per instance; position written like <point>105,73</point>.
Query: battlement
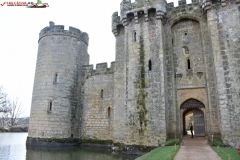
<point>131,12</point>
<point>182,4</point>
<point>53,29</point>
<point>101,69</point>
<point>141,5</point>
<point>183,10</point>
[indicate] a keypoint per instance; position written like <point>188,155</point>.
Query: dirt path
<point>196,149</point>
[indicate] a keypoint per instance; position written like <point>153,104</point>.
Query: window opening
<point>186,37</point>
<point>50,106</point>
<point>109,111</point>
<point>150,65</point>
<point>185,50</point>
<point>188,63</point>
<point>135,36</point>
<point>102,93</point>
<point>71,135</point>
<point>56,78</point>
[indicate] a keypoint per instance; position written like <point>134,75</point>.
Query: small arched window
<point>101,93</point>
<point>188,63</point>
<point>55,78</point>
<point>109,111</point>
<point>135,37</point>
<point>150,65</point>
<point>186,37</point>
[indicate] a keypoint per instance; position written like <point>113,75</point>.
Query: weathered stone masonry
<point>165,56</point>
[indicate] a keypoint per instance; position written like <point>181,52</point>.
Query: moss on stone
<point>96,141</point>
<point>59,140</point>
<point>142,93</point>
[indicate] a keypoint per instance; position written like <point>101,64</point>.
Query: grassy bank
<point>225,152</point>
<point>161,153</point>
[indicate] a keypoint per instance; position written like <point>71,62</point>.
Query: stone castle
<point>171,62</point>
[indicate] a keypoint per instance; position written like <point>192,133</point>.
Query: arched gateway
<point>196,109</point>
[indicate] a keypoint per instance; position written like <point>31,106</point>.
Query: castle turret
<point>139,73</point>
<point>55,99</point>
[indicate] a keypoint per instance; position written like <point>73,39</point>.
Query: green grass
<point>218,142</point>
<point>160,153</point>
<point>171,142</point>
<point>224,152</point>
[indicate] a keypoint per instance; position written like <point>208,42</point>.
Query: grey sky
<point>20,26</point>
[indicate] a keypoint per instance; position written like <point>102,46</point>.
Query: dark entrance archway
<point>194,107</point>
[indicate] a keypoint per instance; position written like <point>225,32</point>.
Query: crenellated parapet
<point>132,12</point>
<point>142,5</point>
<point>115,23</point>
<point>183,10</point>
<point>206,5</point>
<point>53,29</point>
<point>101,69</point>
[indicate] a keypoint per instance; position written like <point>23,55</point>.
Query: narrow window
<point>71,135</point>
<point>172,41</point>
<point>186,37</point>
<point>135,36</point>
<point>50,106</point>
<point>150,65</point>
<point>55,78</point>
<point>188,63</point>
<point>102,93</point>
<point>109,111</point>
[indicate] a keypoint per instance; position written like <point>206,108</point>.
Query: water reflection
<point>12,147</point>
<point>73,153</point>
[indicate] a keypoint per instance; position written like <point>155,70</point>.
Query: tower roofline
<point>53,29</point>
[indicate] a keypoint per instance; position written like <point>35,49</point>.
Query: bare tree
<point>16,112</point>
<point>11,112</point>
<point>3,101</point>
<point>4,108</point>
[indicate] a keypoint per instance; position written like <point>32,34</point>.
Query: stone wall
<point>225,47</point>
<point>97,101</point>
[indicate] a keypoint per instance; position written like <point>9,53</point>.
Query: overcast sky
<point>19,31</point>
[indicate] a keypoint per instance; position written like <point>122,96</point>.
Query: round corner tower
<point>55,100</point>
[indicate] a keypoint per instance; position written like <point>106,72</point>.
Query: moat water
<point>12,147</point>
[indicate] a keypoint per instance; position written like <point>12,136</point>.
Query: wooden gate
<point>199,127</point>
<point>198,115</point>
